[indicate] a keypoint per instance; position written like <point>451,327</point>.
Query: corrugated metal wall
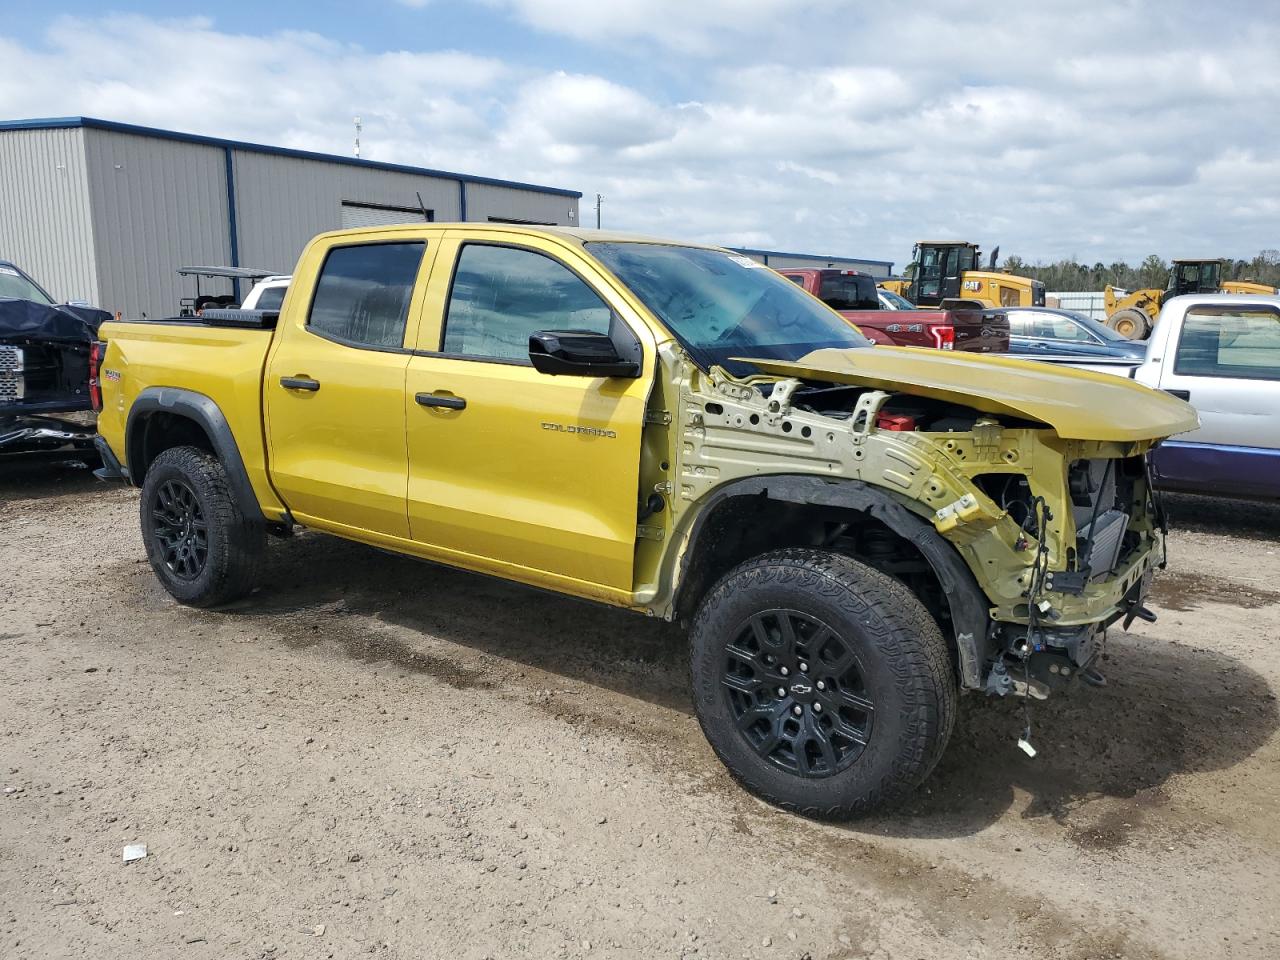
<point>109,215</point>
<point>157,205</point>
<point>1091,304</point>
<point>486,201</point>
<point>282,202</point>
<point>45,220</point>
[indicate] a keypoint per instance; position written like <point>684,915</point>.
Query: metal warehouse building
<point>816,261</point>
<point>107,212</point>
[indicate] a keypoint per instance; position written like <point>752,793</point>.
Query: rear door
<point>512,471</point>
<point>334,386</point>
<point>1226,364</point>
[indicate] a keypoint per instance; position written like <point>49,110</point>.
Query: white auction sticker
<point>745,261</point>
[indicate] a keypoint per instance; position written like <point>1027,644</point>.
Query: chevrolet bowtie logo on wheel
<point>801,689</point>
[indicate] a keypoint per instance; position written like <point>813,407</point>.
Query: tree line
<point>1152,272</point>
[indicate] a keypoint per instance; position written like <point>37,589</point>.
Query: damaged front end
<point>45,396</point>
<point>1061,534</point>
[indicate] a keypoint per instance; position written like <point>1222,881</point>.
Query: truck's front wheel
<point>198,541</point>
<point>823,685</point>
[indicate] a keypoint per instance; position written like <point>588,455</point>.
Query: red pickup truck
<point>855,297</point>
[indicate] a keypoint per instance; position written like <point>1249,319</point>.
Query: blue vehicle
<point>1044,332</point>
<point>45,373</point>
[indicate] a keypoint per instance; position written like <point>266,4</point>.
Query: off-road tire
<point>235,545</point>
<point>1131,323</point>
<point>904,661</point>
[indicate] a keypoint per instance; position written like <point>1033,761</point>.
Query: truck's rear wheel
<point>198,541</point>
<point>1130,323</point>
<point>822,684</point>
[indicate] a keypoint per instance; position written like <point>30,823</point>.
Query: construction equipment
<point>1133,314</point>
<point>950,270</point>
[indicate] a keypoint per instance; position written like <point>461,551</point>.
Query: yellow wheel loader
<point>1133,314</point>
<point>949,270</point>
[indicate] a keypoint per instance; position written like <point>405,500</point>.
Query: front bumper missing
<point>1035,662</point>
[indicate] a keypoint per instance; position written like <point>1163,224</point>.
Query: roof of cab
<point>578,235</point>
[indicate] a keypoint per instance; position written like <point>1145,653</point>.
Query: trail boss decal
<point>575,428</point>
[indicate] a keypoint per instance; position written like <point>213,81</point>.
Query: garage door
<point>356,214</point>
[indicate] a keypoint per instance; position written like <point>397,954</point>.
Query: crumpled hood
<point>1077,404</point>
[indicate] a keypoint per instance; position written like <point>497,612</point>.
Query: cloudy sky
<point>1101,130</point>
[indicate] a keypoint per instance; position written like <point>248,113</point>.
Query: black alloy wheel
<point>181,533</point>
<point>824,685</point>
<point>797,693</point>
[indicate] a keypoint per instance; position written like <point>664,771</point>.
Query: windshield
<point>721,305</point>
<point>893,301</point>
<point>15,286</point>
<point>1096,327</point>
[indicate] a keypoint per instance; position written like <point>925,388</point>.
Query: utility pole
<point>599,201</point>
<point>357,122</point>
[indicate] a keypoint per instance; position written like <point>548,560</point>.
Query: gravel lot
<point>378,756</point>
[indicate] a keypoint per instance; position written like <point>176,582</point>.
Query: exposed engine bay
<point>1062,535</point>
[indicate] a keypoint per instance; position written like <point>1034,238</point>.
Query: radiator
<point>1108,537</point>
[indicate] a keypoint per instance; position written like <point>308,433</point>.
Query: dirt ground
<point>377,756</point>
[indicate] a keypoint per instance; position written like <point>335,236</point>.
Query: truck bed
<point>207,356</point>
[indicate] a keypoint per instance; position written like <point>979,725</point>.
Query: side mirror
<point>578,353</point>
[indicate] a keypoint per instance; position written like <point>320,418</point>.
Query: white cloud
<point>688,26</point>
<point>1104,131</point>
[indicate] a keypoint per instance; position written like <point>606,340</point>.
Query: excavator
<point>950,271</point>
<point>1133,314</point>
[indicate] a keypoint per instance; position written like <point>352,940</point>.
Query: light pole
<point>599,202</point>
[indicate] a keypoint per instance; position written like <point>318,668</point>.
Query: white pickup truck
<point>267,293</point>
<point>1221,353</point>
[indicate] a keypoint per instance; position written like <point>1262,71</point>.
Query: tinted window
<point>363,293</point>
<point>501,295</point>
<point>845,292</point>
<point>1230,342</point>
<point>720,305</point>
<point>271,298</point>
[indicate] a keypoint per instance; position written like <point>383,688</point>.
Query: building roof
<point>888,264</point>
<point>55,123</point>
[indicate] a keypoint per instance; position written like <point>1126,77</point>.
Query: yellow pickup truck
<point>853,533</point>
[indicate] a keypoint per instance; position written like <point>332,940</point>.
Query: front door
<point>952,271</point>
<point>334,391</point>
<point>938,276</point>
<point>512,471</point>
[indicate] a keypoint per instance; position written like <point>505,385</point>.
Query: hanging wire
<point>1035,587</point>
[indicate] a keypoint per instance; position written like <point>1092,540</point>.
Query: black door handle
<point>1180,394</point>
<point>300,383</point>
<point>432,400</point>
